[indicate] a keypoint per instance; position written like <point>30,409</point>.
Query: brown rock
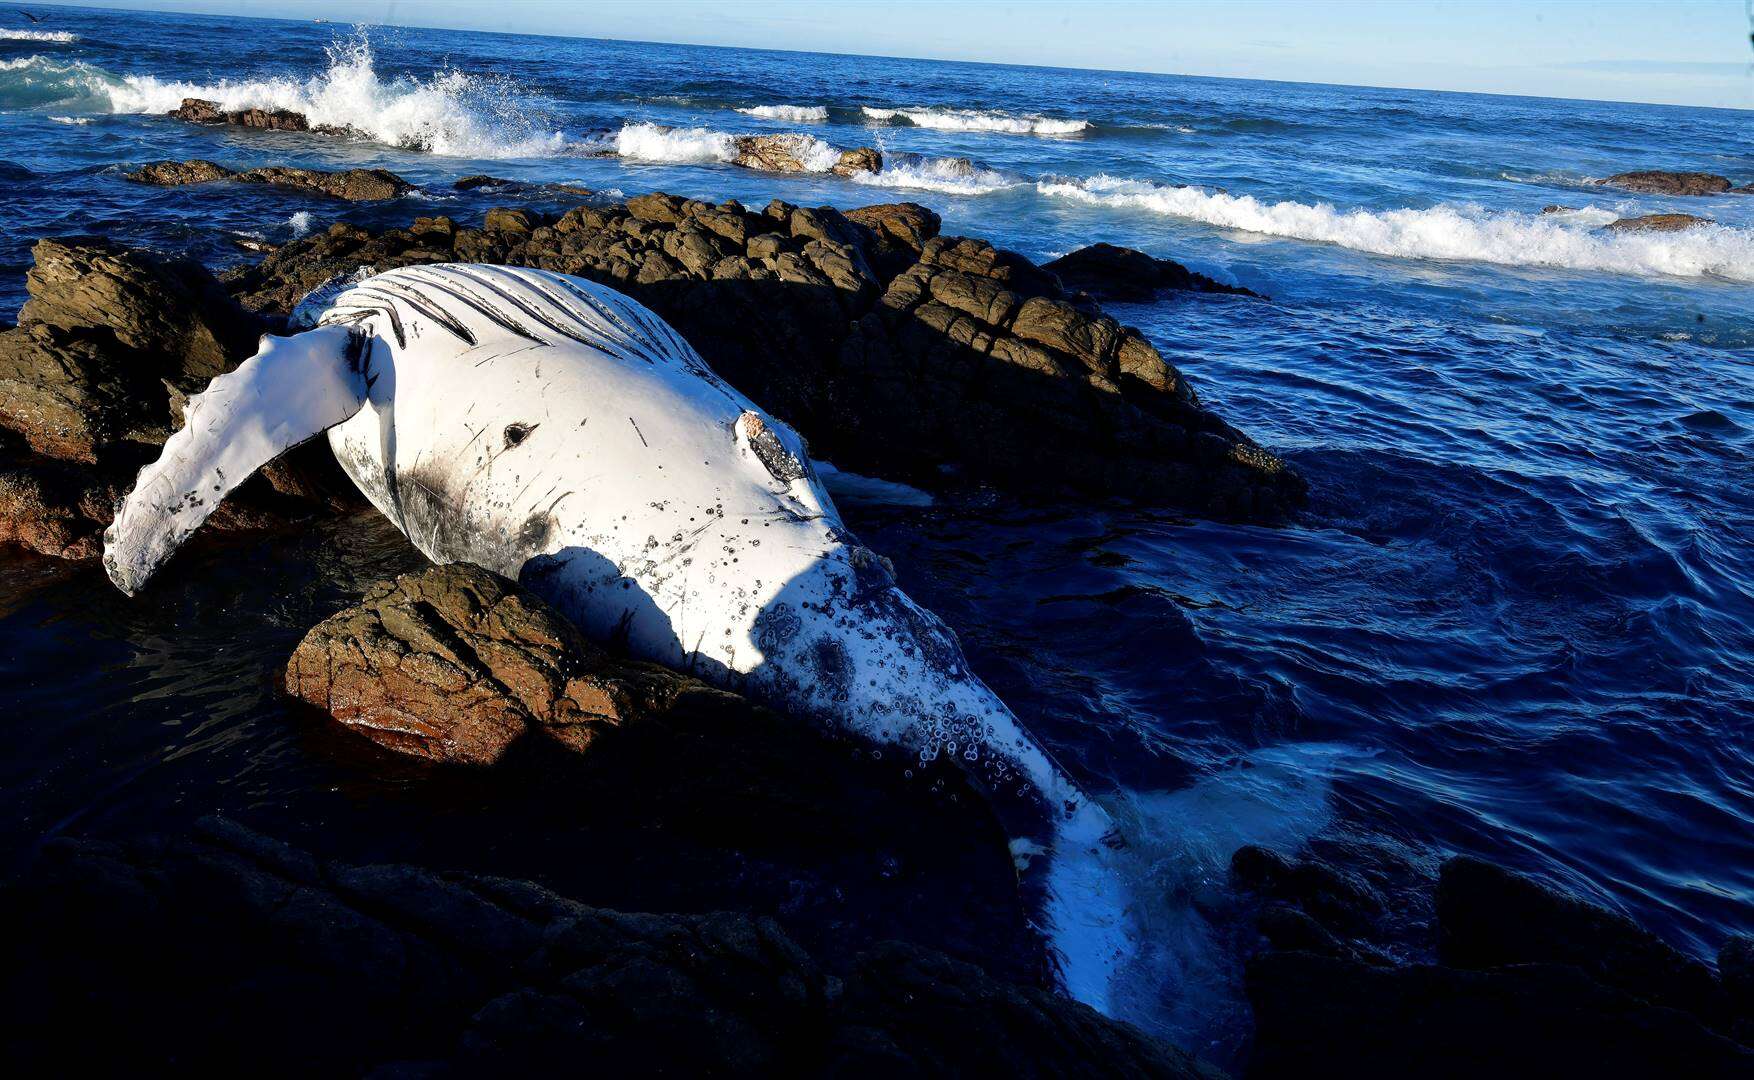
<point>1657,223</point>
<point>1659,182</point>
<point>862,160</point>
<point>909,224</point>
<point>53,508</point>
<point>786,152</point>
<point>201,111</point>
<point>176,173</point>
<point>354,185</point>
<point>455,664</point>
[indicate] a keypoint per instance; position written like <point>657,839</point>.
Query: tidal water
<point>1516,619</point>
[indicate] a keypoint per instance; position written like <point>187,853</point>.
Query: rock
<point>496,184</point>
<point>472,183</point>
<point>412,971</point>
<point>354,185</point>
<point>176,173</point>
<point>1339,901</point>
<point>1321,1015</point>
<point>107,341</point>
<point>863,160</point>
<point>896,351</point>
<point>1113,273</point>
<point>1556,208</point>
<point>1735,967</point>
<point>1659,182</point>
<point>455,664</point>
<point>200,111</point>
<point>1489,917</point>
<point>1657,223</point>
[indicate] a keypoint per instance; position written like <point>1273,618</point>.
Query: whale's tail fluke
<point>292,389</point>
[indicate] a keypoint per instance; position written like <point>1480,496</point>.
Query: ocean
<point>1516,618</point>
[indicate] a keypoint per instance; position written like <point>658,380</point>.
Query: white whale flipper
<point>293,389</point>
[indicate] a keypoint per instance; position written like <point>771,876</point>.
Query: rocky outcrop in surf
<point>1657,223</point>
<point>353,185</point>
<point>411,971</point>
<point>108,341</point>
<point>202,111</point>
<point>1121,274</point>
<point>896,351</point>
<point>1660,182</point>
<point>1525,981</point>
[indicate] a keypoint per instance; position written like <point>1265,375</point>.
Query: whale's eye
<point>517,433</point>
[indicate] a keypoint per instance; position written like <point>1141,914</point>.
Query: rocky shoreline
<point>941,361</point>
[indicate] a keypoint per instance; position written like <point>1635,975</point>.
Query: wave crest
<point>798,114</point>
<point>57,37</point>
<point>951,175</point>
<point>450,112</point>
<point>1504,238</point>
<point>946,119</point>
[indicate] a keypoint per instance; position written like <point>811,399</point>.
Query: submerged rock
<point>319,965</point>
<point>1108,272</point>
<point>1657,223</point>
<point>1528,982</point>
<point>498,184</point>
<point>896,351</point>
<point>455,664</point>
<point>354,185</point>
<point>1660,182</point>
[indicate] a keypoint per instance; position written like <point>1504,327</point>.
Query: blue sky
<point>1686,52</point>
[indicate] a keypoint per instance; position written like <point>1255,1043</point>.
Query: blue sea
<point>1516,618</point>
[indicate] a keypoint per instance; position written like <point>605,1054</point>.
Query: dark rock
<point>53,508</point>
<point>497,184</point>
<point>1657,223</point>
<point>1735,967</point>
<point>1489,917</point>
<point>892,359</point>
<point>1338,900</point>
<point>471,183</point>
<point>1660,182</point>
<point>1556,208</point>
<point>452,973</point>
<point>455,664</point>
<point>177,173</point>
<point>1121,274</point>
<point>354,185</point>
<point>200,111</point>
<point>1322,1015</point>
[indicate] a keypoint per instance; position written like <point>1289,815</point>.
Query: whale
<point>556,432</point>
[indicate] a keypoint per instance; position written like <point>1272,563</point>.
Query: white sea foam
<point>449,112</point>
<point>656,142</point>
<point>76,120</point>
<point>798,114</point>
<point>850,488</point>
<point>944,119</point>
<point>1470,233</point>
<point>56,37</point>
<point>951,175</point>
<point>299,224</point>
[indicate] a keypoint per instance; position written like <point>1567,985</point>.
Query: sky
<point>1681,52</point>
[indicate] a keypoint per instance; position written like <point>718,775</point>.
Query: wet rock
<point>472,183</point>
<point>1529,982</point>
<point>446,973</point>
<point>1660,182</point>
<point>354,185</point>
<point>1556,208</point>
<point>896,351</point>
<point>52,508</point>
<point>863,160</point>
<point>1121,274</point>
<point>498,184</point>
<point>1657,223</point>
<point>455,664</point>
<point>776,153</point>
<point>1489,917</point>
<point>1322,1015</point>
<point>177,173</point>
<point>201,111</point>
<point>1338,900</point>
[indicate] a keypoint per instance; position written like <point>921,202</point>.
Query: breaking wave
<point>1505,238</point>
<point>799,114</point>
<point>945,119</point>
<point>951,175</point>
<point>36,81</point>
<point>450,112</point>
<point>659,143</point>
<point>57,37</point>
<point>79,121</point>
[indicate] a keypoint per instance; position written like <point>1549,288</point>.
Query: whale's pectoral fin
<point>292,389</point>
